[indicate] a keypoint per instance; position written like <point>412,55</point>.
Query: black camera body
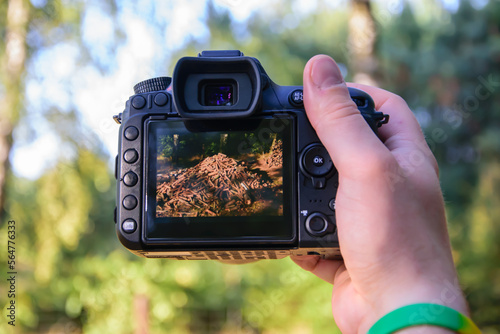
<point>221,163</point>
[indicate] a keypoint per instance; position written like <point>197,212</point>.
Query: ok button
<point>316,161</point>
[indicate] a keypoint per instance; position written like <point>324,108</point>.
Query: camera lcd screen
<point>220,179</point>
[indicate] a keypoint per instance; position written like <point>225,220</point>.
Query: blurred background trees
<point>74,276</point>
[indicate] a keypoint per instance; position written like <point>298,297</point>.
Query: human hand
<point>389,207</point>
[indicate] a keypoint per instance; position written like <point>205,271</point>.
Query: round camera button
<point>131,133</point>
<point>138,102</point>
<point>297,98</point>
<point>317,224</point>
<point>129,226</point>
<point>161,99</point>
<point>130,156</point>
<point>129,202</point>
<point>316,161</point>
<point>331,204</point>
<point>130,179</point>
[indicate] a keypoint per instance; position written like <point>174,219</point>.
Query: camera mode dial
<point>152,85</point>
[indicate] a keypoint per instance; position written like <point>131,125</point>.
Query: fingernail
<point>325,73</point>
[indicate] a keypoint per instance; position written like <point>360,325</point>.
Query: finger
<point>403,132</point>
<point>401,117</point>
<point>327,270</point>
<point>336,119</point>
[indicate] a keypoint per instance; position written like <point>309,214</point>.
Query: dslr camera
<point>221,163</point>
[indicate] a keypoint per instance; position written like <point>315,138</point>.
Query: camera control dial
<point>316,161</point>
<point>317,225</point>
<point>152,85</point>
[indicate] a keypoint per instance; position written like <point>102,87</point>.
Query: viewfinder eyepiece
<point>217,87</point>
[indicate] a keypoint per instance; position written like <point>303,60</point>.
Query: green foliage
<point>59,221</point>
<point>479,264</point>
<point>166,146</point>
<point>202,145</point>
<point>447,70</point>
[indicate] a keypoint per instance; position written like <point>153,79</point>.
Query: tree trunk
<point>12,63</point>
<point>223,143</point>
<point>361,43</point>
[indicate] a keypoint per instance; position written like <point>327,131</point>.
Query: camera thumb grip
<point>340,126</point>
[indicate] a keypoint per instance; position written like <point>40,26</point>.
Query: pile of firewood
<point>217,186</point>
<point>275,158</point>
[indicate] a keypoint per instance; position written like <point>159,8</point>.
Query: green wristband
<point>424,314</point>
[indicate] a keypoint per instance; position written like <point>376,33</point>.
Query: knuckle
<point>334,114</point>
<point>331,105</point>
<point>434,164</point>
<point>399,100</point>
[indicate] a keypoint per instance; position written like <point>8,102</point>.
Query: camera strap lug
<point>383,120</point>
<point>118,118</point>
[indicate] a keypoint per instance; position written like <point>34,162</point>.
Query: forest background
<point>68,66</point>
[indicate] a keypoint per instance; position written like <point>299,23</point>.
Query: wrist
<point>445,292</point>
<point>408,318</point>
<point>425,330</point>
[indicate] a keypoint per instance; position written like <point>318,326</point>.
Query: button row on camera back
<point>139,102</point>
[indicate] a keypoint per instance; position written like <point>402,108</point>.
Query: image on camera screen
<point>219,173</point>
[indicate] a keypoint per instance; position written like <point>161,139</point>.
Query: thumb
<point>336,119</point>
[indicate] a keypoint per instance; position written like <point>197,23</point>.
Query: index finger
<point>327,270</point>
<point>402,122</point>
